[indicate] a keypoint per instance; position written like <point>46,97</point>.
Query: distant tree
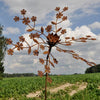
<point>2,51</point>
<point>19,75</point>
<point>93,69</point>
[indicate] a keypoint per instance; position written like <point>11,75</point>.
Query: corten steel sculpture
<point>50,37</point>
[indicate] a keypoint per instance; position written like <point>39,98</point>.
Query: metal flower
<point>50,37</point>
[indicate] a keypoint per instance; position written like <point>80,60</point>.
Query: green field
<point>18,88</point>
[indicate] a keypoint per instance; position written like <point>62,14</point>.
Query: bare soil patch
<point>36,94</point>
<point>82,86</point>
<point>62,87</point>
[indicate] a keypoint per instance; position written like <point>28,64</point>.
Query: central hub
<point>52,39</point>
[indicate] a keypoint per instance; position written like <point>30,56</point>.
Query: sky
<point>83,19</point>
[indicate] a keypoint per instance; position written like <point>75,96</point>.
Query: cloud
<point>68,65</point>
<point>81,31</point>
<point>30,41</point>
<point>95,25</point>
<point>21,62</point>
<point>65,24</point>
<point>11,30</point>
<point>42,8</point>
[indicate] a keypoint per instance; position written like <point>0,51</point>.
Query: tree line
<point>19,75</point>
<point>93,69</point>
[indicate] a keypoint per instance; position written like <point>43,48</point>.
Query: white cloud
<point>65,24</point>
<point>83,31</point>
<point>11,30</point>
<point>95,25</point>
<point>22,62</point>
<point>78,32</point>
<point>41,8</point>
<point>30,41</point>
<point>27,38</point>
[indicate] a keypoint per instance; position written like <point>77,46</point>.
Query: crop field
<point>19,88</point>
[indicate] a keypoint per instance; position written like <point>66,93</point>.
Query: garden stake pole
<point>46,86</point>
<point>47,73</point>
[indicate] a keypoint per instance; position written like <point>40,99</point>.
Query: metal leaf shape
<point>51,63</point>
<point>35,41</point>
<point>45,52</point>
<point>29,50</point>
<point>29,30</point>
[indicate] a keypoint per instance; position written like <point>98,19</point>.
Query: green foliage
<point>19,87</point>
<point>90,93</point>
<point>93,69</point>
<point>12,87</point>
<point>2,51</point>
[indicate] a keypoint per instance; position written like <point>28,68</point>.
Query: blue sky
<point>83,18</point>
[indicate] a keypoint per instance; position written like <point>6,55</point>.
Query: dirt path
<point>80,87</point>
<point>36,94</point>
<point>62,87</point>
<point>99,87</point>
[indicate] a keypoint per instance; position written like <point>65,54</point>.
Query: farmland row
<point>16,87</point>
